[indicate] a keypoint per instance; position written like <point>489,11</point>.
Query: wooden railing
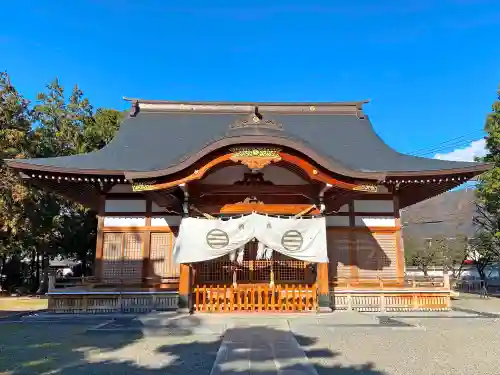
<point>279,298</point>
<point>91,282</point>
<point>398,294</point>
<point>389,301</point>
<point>394,283</point>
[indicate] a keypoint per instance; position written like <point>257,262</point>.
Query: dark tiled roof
<point>161,140</point>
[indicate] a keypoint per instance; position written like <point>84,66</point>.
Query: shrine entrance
<point>254,282</point>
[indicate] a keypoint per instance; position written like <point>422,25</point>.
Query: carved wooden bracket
<point>256,158</point>
<point>254,179</point>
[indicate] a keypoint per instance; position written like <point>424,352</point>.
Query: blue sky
<point>430,67</point>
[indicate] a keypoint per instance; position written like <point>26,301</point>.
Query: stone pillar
<point>52,280</point>
<point>323,291</point>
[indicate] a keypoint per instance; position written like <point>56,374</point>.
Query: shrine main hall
<point>229,206</point>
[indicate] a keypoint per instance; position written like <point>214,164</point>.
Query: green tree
<point>101,129</point>
<point>68,127</point>
<point>487,244</point>
<point>35,222</point>
<point>454,252</point>
<point>15,143</point>
<point>423,253</point>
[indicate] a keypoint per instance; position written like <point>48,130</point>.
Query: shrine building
<point>229,206</point>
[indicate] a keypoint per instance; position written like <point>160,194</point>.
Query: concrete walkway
<point>476,303</point>
<point>262,349</point>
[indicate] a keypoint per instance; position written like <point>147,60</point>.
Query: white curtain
<point>203,239</point>
<point>303,239</point>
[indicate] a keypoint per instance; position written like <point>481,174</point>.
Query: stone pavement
<point>260,349</point>
<point>344,343</point>
<point>474,302</point>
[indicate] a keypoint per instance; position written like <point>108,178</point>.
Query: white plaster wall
<point>118,205</point>
<point>374,206</point>
<point>230,174</point>
<point>166,221</point>
<point>337,221</point>
<point>120,221</point>
<point>385,221</point>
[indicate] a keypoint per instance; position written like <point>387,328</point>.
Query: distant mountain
<point>448,214</point>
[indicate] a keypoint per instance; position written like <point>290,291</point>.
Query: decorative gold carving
<point>256,120</point>
<point>367,187</point>
<point>144,186</point>
<point>256,158</point>
<point>250,200</point>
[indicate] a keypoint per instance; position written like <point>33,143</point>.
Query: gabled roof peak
<point>344,108</point>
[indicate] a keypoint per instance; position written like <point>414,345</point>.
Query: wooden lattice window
<point>122,258</point>
<point>288,270</point>
<point>163,267</point>
<point>376,255</point>
<point>214,271</point>
<point>338,243</point>
<point>112,257</point>
<point>251,270</point>
<point>387,259</point>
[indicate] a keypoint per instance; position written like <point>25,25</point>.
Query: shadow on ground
<point>52,348</point>
<point>8,314</point>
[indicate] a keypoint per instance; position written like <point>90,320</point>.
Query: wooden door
<point>122,258</point>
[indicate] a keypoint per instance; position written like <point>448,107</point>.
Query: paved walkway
<point>476,303</point>
<point>261,349</point>
<point>407,343</point>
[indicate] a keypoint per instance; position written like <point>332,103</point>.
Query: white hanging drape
<point>203,239</point>
<point>303,239</point>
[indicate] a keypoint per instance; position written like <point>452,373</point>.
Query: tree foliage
<point>34,222</point>
<point>487,244</point>
<point>442,251</point>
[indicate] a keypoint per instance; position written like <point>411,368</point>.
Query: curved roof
<point>158,141</point>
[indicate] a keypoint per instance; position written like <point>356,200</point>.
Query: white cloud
<point>475,149</point>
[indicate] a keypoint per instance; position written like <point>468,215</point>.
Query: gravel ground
<point>458,343</point>
<point>50,348</point>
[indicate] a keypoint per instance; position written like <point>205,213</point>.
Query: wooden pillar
<point>353,255</point>
<point>322,276</point>
<point>323,289</point>
<point>184,288</point>
<point>185,283</point>
<point>400,259</point>
<point>99,247</point>
<point>146,250</point>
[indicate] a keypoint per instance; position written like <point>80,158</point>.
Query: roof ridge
<point>354,108</point>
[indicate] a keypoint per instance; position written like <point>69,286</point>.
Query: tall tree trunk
<point>33,267</point>
<point>37,278</point>
<point>44,284</point>
<point>3,260</point>
<point>84,265</point>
